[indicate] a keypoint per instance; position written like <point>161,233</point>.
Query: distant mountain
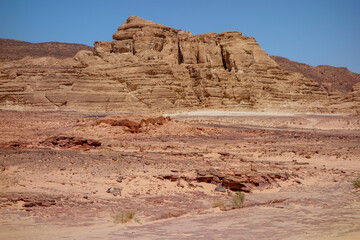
<point>15,50</point>
<point>331,78</point>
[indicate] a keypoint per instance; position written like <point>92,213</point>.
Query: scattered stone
<point>225,154</point>
<point>297,181</point>
<point>220,188</point>
<point>179,184</point>
<point>120,179</point>
<point>114,191</point>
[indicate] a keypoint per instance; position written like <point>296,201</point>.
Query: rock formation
<point>150,67</point>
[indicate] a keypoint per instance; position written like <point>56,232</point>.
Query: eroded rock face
<point>151,67</point>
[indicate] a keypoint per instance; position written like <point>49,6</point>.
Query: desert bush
<point>238,200</point>
<point>356,183</point>
<point>220,205</point>
<point>124,217</point>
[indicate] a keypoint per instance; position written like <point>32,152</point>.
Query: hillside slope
<point>15,50</point>
<point>331,78</point>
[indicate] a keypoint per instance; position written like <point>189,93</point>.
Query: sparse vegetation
<point>356,183</point>
<point>220,205</point>
<point>124,217</point>
<point>238,200</point>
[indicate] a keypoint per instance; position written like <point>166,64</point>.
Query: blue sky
<point>309,31</point>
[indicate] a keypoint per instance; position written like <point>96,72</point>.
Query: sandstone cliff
<point>151,67</point>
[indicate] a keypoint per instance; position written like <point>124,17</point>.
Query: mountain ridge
<point>11,49</point>
<point>331,78</point>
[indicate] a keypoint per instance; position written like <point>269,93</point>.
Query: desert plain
<point>65,175</point>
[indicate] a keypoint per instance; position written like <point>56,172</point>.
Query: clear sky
<point>310,31</point>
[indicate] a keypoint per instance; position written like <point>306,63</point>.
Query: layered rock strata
<point>151,67</point>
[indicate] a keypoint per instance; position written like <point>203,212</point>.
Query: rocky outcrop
<point>151,67</point>
<point>132,126</point>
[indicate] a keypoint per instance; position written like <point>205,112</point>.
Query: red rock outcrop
<point>132,126</point>
<point>150,67</point>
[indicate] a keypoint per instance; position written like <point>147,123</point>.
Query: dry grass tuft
<point>238,200</point>
<point>124,217</point>
<point>356,183</point>
<point>220,205</point>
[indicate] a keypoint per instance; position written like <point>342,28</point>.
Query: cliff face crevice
<point>152,67</point>
<point>180,55</point>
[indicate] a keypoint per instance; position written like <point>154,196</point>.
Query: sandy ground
<point>64,175</point>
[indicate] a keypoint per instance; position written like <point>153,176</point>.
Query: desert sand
<point>65,175</point>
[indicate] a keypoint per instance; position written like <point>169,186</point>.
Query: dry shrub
<point>124,217</point>
<point>238,200</point>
